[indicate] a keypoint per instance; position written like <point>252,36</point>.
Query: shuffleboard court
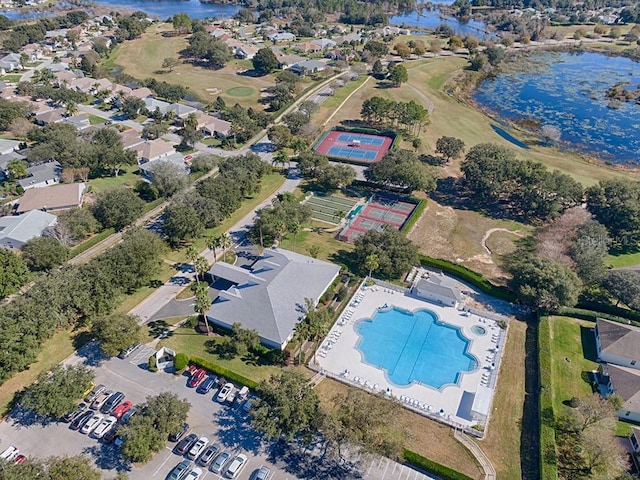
<point>330,208</point>
<point>356,147</point>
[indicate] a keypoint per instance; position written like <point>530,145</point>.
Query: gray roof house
<point>147,169</point>
<point>309,66</point>
<point>618,343</point>
<point>5,158</point>
<point>269,297</point>
<point>624,382</point>
<point>8,146</point>
<point>80,121</point>
<point>42,175</point>
<point>151,104</point>
<point>15,231</point>
<point>439,289</point>
<point>181,110</point>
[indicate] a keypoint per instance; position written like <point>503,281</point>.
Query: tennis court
<point>330,208</point>
<point>379,211</point>
<point>355,147</point>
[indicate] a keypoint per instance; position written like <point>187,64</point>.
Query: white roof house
<point>15,231</point>
<point>269,297</point>
<point>438,289</point>
<point>8,146</point>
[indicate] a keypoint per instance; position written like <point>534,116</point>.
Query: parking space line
<point>370,466</point>
<point>385,470</point>
<point>395,465</point>
<point>162,466</point>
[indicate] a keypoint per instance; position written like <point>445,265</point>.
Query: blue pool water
<point>414,347</point>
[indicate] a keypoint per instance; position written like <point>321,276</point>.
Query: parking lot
<point>226,426</point>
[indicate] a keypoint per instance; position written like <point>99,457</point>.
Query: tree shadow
<point>234,430</point>
<point>92,355</point>
<point>588,341</point>
<point>157,327</point>
<point>108,457</point>
<point>22,417</point>
<point>343,257</point>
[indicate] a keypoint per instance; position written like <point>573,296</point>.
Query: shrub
<point>429,466</point>
<point>414,217</point>
<point>219,370</point>
<point>180,362</point>
<point>153,367</point>
<point>193,321</point>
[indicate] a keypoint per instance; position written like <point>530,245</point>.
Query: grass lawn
<point>53,351</point>
<point>126,177</point>
<point>330,104</point>
<point>269,185</point>
<point>143,58</point>
<point>12,77</point>
<point>428,438</point>
<point>96,120</point>
<point>330,248</point>
<point>502,442</point>
<point>187,341</point>
<point>623,259</point>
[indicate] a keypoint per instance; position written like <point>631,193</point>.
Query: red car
<point>20,459</point>
<point>197,377</point>
<point>121,409</point>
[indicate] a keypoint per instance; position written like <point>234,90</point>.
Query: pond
<point>162,9</point>
<point>568,91</point>
<point>431,19</point>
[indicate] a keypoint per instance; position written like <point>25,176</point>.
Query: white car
<point>104,426</point>
<point>224,392</point>
<point>198,447</point>
<point>9,453</point>
<point>195,474</point>
<point>236,466</point>
<point>91,424</point>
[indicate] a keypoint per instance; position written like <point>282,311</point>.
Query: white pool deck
<point>339,357</point>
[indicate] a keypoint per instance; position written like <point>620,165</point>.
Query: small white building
<point>438,289</point>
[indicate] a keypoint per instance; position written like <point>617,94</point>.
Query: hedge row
<point>474,278</point>
<point>429,466</point>
<point>218,370</point>
<point>610,309</point>
<point>548,455</point>
<point>591,316</point>
<point>414,217</point>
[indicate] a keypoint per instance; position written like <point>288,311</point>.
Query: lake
<point>431,19</point>
<point>162,8</point>
<point>568,91</point>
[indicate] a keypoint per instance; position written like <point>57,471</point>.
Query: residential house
<point>10,62</point>
<point>84,85</point>
<point>324,43</point>
<point>65,78</point>
<point>16,230</point>
<point>80,121</point>
<point>51,199</point>
<point>152,104</point>
<point>59,67</point>
<point>52,116</point>
<point>181,111</point>
<point>33,50</point>
<point>5,158</point>
<point>151,150</point>
<point>217,32</point>
<point>308,67</point>
<point>42,175</point>
<point>281,37</point>
<point>142,93</point>
<point>288,61</point>
<point>307,47</point>
<point>439,289</point>
<point>8,146</point>
<point>617,343</point>
<point>212,126</point>
<point>147,169</point>
<point>269,296</point>
<point>130,138</point>
<point>623,382</point>
<point>246,52</point>
<point>634,438</point>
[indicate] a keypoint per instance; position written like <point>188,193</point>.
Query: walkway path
<point>492,230</point>
<point>485,463</point>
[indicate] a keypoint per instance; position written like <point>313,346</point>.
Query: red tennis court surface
<point>355,147</point>
<point>381,210</point>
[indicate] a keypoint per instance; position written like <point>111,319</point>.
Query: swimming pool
<point>414,347</point>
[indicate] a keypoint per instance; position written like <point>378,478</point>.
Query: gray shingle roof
<point>270,298</point>
<point>440,285</point>
<point>42,173</point>
<point>22,228</point>
<point>626,384</point>
<point>619,339</point>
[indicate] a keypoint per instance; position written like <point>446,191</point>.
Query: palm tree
<point>372,262</point>
<point>213,242</point>
<point>203,303</point>
<point>225,243</point>
<point>340,214</point>
<point>294,228</point>
<point>71,108</point>
<point>191,121</point>
<point>192,253</point>
<point>201,265</point>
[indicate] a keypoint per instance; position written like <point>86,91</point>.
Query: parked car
<point>9,453</point>
<point>186,443</point>
<point>100,399</point>
<point>218,464</point>
<point>196,378</point>
<point>128,414</point>
<point>197,448</point>
<point>112,402</point>
<point>92,385</point>
<point>246,406</point>
<point>125,353</point>
<point>174,437</point>
<point>194,474</point>
<point>104,426</point>
<point>92,423</point>
<point>207,385</point>
<point>236,466</point>
<point>20,459</point>
<point>111,435</point>
<point>232,396</point>
<point>263,473</point>
<point>242,394</point>
<point>224,392</point>
<point>73,414</point>
<point>121,409</point>
<point>79,422</point>
<point>207,455</point>
<point>180,471</point>
<point>93,394</point>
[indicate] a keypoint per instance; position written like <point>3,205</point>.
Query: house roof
<point>8,146</point>
<point>636,433</point>
<point>143,92</point>
<point>151,149</point>
<point>212,123</point>
<point>79,121</point>
<point>5,158</point>
<point>626,384</point>
<point>618,338</point>
<point>51,116</point>
<point>440,285</point>
<point>23,228</point>
<point>324,42</point>
<point>130,138</point>
<point>270,296</point>
<point>180,109</point>
<point>51,198</point>
<point>151,104</point>
<point>41,173</point>
<point>175,158</point>
<point>310,65</point>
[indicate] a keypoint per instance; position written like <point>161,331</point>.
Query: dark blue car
<point>207,385</point>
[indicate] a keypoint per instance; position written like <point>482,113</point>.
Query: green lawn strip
<point>429,466</point>
<point>87,244</point>
<point>339,96</point>
<point>548,452</point>
<point>96,120</point>
<point>623,260</point>
<point>186,340</point>
<point>269,184</point>
<point>12,78</point>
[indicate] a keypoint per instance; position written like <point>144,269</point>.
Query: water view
<point>568,91</point>
<point>430,19</point>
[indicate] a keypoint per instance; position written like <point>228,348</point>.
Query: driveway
<point>226,426</point>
